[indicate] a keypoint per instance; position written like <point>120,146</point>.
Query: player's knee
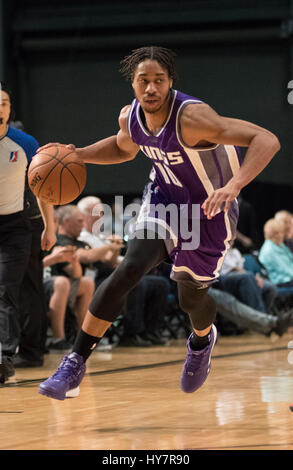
<point>191,299</point>
<point>200,307</point>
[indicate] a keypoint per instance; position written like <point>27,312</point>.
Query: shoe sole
<point>73,393</point>
<point>209,364</point>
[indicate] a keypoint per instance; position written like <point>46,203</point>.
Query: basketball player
<point>194,163</point>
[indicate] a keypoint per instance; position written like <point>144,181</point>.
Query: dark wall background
<point>62,60</point>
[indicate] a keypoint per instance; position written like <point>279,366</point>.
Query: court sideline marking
<point>145,366</point>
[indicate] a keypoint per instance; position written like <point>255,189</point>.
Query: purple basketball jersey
<point>185,176</point>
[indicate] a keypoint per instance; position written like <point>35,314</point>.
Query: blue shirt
<point>16,151</point>
<point>278,261</point>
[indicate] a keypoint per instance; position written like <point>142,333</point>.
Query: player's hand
<point>44,147</point>
<point>220,199</point>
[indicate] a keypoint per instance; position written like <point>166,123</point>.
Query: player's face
<point>5,107</point>
<point>151,85</point>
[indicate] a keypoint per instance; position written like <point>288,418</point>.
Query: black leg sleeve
<point>141,256</point>
<point>200,307</point>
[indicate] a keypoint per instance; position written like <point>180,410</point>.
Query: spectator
<point>107,249</point>
<point>249,288</point>
<point>61,294</point>
<point>146,303</point>
<point>144,313</point>
<point>289,241</point>
<point>22,234</point>
<point>287,219</point>
<point>237,313</point>
<point>245,317</point>
<point>276,257</point>
<point>81,286</point>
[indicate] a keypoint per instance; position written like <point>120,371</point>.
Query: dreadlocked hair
<point>165,57</point>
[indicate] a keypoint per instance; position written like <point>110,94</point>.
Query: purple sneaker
<point>197,365</point>
<point>65,382</point>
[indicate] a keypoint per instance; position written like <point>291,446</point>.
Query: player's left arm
<point>201,123</point>
<point>48,238</point>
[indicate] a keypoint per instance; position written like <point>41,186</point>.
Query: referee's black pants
<point>33,304</point>
<point>15,244</point>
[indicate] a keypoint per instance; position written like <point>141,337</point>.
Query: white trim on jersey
<point>220,260</point>
<point>144,217</point>
<point>129,117</point>
<point>140,123</point>
<point>192,274</point>
<point>233,158</point>
<point>226,243</point>
<point>144,130</point>
<point>142,224</point>
<point>178,133</point>
<point>197,164</point>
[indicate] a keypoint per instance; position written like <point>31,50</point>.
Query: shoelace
<point>194,360</point>
<point>66,368</point>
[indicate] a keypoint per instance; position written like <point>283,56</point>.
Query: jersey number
<point>168,174</point>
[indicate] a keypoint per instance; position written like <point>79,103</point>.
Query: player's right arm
<point>118,148</point>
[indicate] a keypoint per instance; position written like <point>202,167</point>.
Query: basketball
<point>56,175</point>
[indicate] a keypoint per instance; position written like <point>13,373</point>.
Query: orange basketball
<point>56,175</point>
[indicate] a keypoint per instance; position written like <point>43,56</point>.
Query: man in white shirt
<point>142,317</point>
<point>93,211</point>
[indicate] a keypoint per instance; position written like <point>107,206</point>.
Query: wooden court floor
<point>131,400</point>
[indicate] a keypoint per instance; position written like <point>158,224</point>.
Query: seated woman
<point>276,257</point>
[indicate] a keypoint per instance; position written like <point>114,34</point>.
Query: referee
<point>22,218</point>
